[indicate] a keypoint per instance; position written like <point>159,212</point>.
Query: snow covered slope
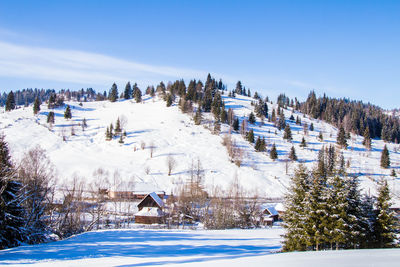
<point>170,132</point>
<point>186,248</point>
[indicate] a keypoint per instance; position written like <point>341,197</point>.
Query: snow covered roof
<point>155,197</point>
<point>151,212</point>
<point>270,208</point>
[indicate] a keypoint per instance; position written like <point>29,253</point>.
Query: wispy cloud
<point>80,67</point>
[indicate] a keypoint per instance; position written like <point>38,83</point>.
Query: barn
<point>150,210</point>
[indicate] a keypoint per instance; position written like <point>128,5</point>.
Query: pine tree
<point>121,140</point>
<point>137,94</point>
<point>118,129</point>
<point>385,159</point>
<point>252,118</point>
<point>292,154</point>
<point>294,218</point>
<point>12,231</point>
<point>303,142</point>
<point>312,127</point>
<point>250,136</point>
<point>111,131</point>
<point>288,133</point>
<point>67,113</point>
<point>273,154</point>
<point>341,138</point>
<point>236,124</point>
<point>198,117</point>
<point>384,227</point>
<point>281,122</point>
<point>50,117</point>
<point>320,137</point>
<point>10,102</point>
<point>367,138</point>
<point>36,106</point>
<point>273,116</point>
<point>393,174</point>
<point>169,100</point>
<point>128,91</point>
<point>113,95</point>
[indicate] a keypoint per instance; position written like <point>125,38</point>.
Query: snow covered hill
<point>171,133</point>
<point>138,247</point>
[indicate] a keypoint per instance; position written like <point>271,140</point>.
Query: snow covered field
<point>152,124</point>
<point>138,247</point>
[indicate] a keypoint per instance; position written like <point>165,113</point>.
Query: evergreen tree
<point>273,116</point>
<point>303,142</point>
<point>385,227</point>
<point>252,118</point>
<point>118,129</point>
<point>10,102</point>
<point>12,231</point>
<point>367,138</point>
<point>385,159</point>
<point>236,124</point>
<point>113,95</point>
<point>292,154</point>
<point>128,91</point>
<point>50,117</point>
<point>67,112</point>
<point>250,136</point>
<point>273,154</point>
<point>198,117</point>
<point>111,131</point>
<point>312,127</point>
<point>281,121</point>
<point>239,89</point>
<point>169,100</point>
<point>393,174</point>
<point>121,140</point>
<point>36,106</point>
<point>294,218</point>
<point>137,94</point>
<point>341,138</point>
<point>288,133</point>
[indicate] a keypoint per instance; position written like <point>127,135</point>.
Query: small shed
<point>150,210</point>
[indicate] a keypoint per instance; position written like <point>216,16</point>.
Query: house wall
<point>148,219</point>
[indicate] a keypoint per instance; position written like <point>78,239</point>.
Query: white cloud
<point>81,67</point>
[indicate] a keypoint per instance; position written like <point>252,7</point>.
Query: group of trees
<point>354,116</point>
<point>24,197</point>
<point>325,210</point>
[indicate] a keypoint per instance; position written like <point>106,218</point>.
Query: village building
<point>151,210</point>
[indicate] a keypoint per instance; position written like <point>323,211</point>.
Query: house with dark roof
<point>151,210</point>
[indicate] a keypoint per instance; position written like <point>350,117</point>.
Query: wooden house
<point>269,214</point>
<point>151,210</point>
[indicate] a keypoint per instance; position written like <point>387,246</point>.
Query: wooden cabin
<point>150,210</point>
<point>269,214</point>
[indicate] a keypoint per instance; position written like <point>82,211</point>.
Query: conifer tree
<point>384,227</point>
<point>252,118</point>
<point>273,116</point>
<point>294,218</point>
<point>303,142</point>
<point>292,154</point>
<point>113,95</point>
<point>250,136</point>
<point>128,91</point>
<point>12,231</point>
<point>312,127</point>
<point>198,117</point>
<point>118,129</point>
<point>50,117</point>
<point>67,112</point>
<point>111,131</point>
<point>36,106</point>
<point>281,122</point>
<point>10,102</point>
<point>341,138</point>
<point>385,159</point>
<point>367,138</point>
<point>320,137</point>
<point>169,100</point>
<point>236,124</point>
<point>273,154</point>
<point>137,94</point>
<point>121,140</point>
<point>288,133</point>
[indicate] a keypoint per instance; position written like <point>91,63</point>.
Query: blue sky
<point>341,48</point>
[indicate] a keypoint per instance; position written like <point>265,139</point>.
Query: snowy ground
<point>185,248</point>
<point>172,133</point>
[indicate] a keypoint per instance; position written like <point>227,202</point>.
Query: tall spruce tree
<point>273,154</point>
<point>10,102</point>
<point>36,106</point>
<point>252,118</point>
<point>128,91</point>
<point>385,159</point>
<point>292,154</point>
<point>250,136</point>
<point>12,214</point>
<point>341,138</point>
<point>294,218</point>
<point>67,112</point>
<point>113,95</point>
<point>287,133</point>
<point>235,125</point>
<point>385,224</point>
<point>367,138</point>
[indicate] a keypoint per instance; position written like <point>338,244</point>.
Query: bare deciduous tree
<point>171,164</point>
